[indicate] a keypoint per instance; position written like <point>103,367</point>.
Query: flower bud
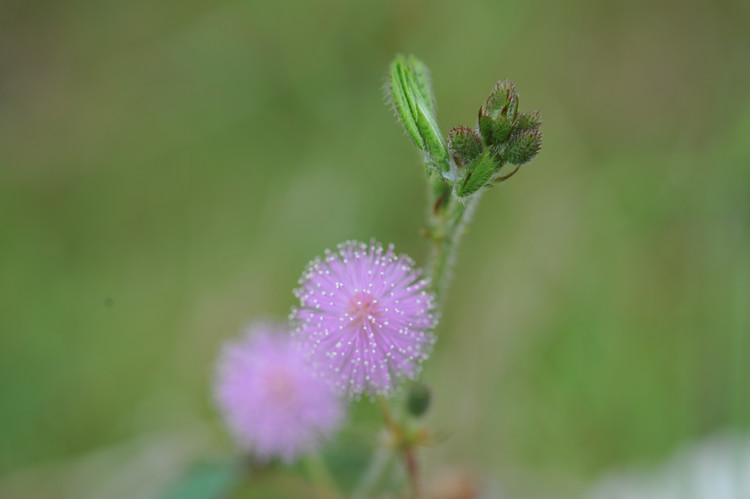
<point>503,101</point>
<point>528,120</point>
<point>418,400</point>
<point>412,99</point>
<point>497,115</point>
<point>403,99</point>
<point>465,144</point>
<point>494,130</point>
<point>523,145</point>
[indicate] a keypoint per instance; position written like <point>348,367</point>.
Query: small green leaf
<point>477,175</point>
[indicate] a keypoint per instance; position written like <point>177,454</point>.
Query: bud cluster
<point>503,135</point>
<point>471,158</point>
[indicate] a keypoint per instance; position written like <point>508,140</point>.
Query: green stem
<point>320,476</point>
<point>447,227</point>
<point>385,410</point>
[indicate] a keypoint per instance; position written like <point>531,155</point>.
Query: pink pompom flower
<point>273,403</point>
<point>365,318</point>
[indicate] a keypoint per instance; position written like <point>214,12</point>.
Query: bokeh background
<point>168,169</point>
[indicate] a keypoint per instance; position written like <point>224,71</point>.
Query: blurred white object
<point>718,468</point>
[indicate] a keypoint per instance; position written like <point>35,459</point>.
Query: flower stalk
<point>445,234</point>
<point>459,170</point>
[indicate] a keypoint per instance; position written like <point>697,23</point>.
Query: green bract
<point>477,174</point>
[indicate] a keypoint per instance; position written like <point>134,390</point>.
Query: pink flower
<point>365,318</point>
<point>272,402</point>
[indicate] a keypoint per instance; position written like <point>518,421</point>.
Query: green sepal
<point>477,175</point>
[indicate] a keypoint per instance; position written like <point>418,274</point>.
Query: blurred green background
<point>167,170</point>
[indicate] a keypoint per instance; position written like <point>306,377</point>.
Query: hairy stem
<point>447,227</point>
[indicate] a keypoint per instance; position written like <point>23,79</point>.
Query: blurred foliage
<point>167,170</point>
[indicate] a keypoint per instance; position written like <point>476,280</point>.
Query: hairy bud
<point>497,115</point>
<point>523,145</point>
<point>412,100</point>
<point>528,120</point>
<point>465,145</point>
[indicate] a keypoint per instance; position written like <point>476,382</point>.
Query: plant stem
<point>447,227</point>
<point>412,469</point>
<point>379,467</point>
<point>410,460</point>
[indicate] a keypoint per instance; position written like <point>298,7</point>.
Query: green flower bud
<point>503,100</point>
<point>494,130</point>
<point>465,145</point>
<point>477,174</point>
<point>412,99</point>
<point>523,145</point>
<point>497,115</point>
<point>528,120</point>
<point>418,400</point>
<point>403,99</point>
<point>422,81</point>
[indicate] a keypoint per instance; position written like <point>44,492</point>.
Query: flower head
<point>272,402</point>
<point>365,317</point>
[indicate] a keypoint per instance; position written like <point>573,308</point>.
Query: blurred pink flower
<point>272,402</point>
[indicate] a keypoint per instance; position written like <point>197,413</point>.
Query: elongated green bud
<point>412,99</point>
<point>403,99</point>
<point>477,174</point>
<point>422,81</point>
